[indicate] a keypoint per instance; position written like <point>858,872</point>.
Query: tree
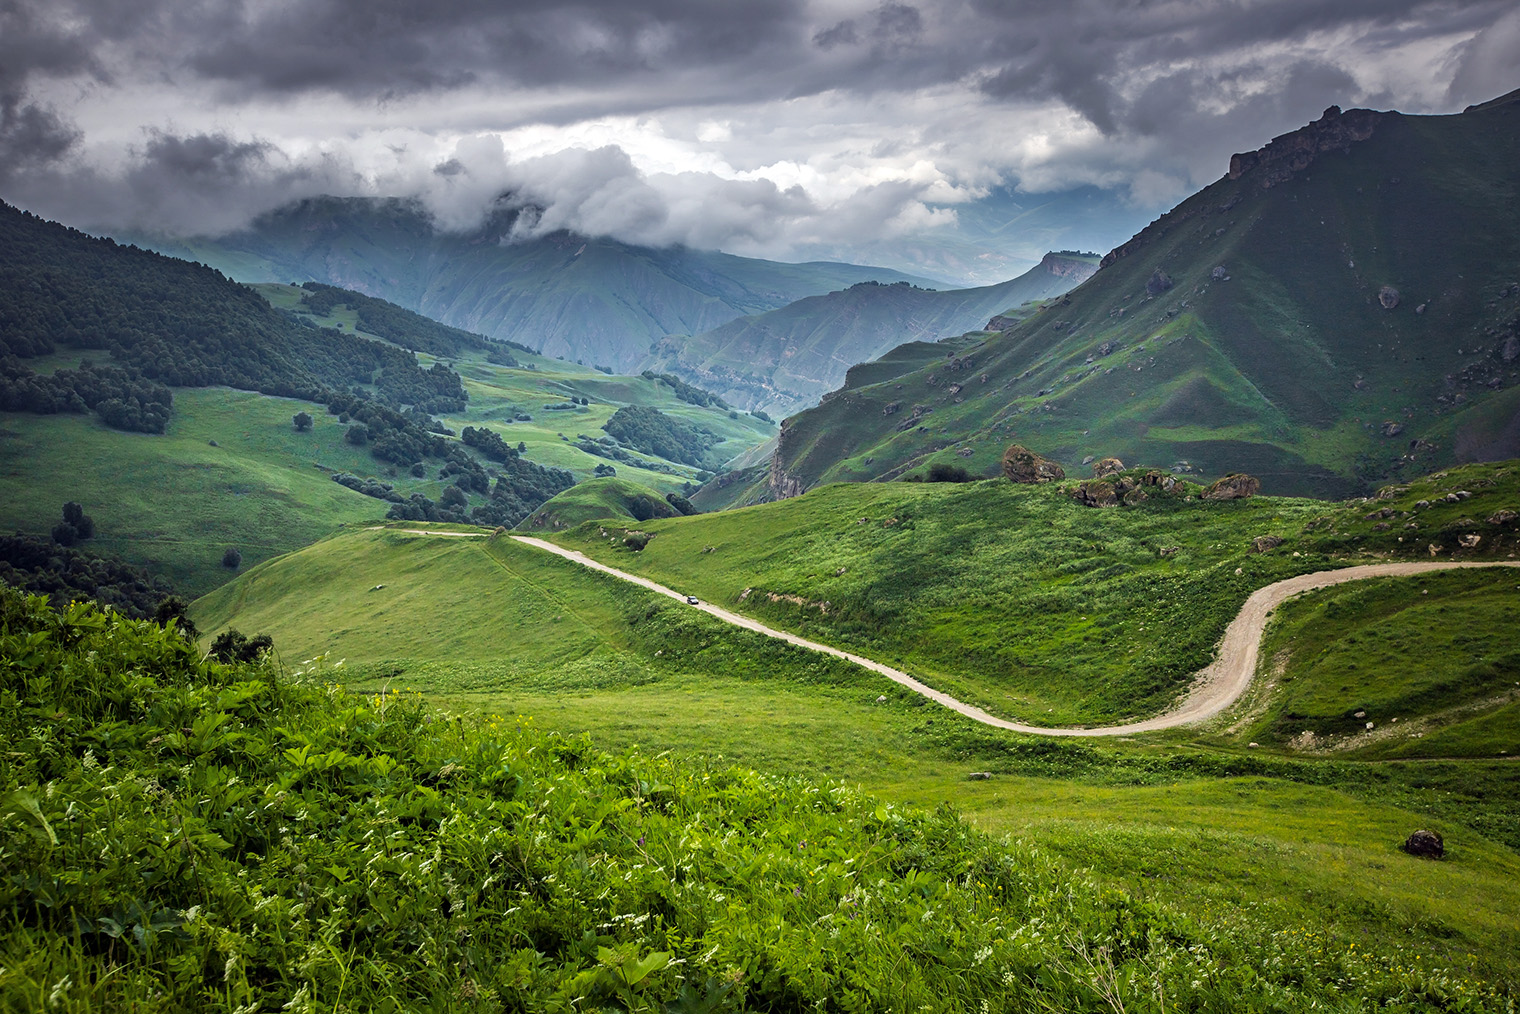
<point>177,609</point>
<point>233,558</point>
<point>302,421</point>
<point>65,534</point>
<point>84,525</point>
<point>358,434</point>
<point>231,646</point>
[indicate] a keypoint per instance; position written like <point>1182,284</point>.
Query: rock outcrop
<point>1022,465</point>
<point>1063,266</point>
<point>1107,466</point>
<point>1285,156</point>
<point>1236,486</point>
<point>1265,543</point>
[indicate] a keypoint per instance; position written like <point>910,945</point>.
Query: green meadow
<point>1299,845</point>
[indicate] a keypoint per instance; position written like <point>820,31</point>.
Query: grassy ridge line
<point>1216,688</point>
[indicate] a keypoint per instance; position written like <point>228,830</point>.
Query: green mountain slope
<point>1341,308</point>
<point>596,301</point>
<point>164,397</point>
<point>787,358</point>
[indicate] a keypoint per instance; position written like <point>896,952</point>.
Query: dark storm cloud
<point>1082,53</point>
<point>395,47</point>
<point>1171,86</point>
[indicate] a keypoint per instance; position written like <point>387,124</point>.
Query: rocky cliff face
<point>1283,157</point>
<point>1077,269</point>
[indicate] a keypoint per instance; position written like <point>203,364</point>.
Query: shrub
<point>942,471</point>
<point>232,558</point>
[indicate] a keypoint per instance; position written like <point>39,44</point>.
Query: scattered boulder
<point>1265,543</point>
<point>1159,282</point>
<point>1166,551</point>
<point>1392,429</point>
<point>979,776</point>
<point>1388,296</point>
<point>1425,844</point>
<point>1095,493</point>
<point>1165,481</point>
<point>1022,465</point>
<point>1470,541</point>
<point>1235,486</point>
<point>1107,466</point>
<point>1219,274</point>
<point>1503,517</point>
<point>892,408</point>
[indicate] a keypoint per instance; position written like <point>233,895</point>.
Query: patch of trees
<point>123,398</point>
<point>606,447</point>
<point>369,487</point>
<point>40,566</point>
<point>653,432</point>
<point>75,526</point>
<point>410,330</point>
<point>521,487</point>
<point>232,646</point>
<point>488,442</point>
<point>686,392</point>
<point>391,435</point>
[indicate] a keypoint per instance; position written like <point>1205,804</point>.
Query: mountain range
<point>787,359</point>
<point>1341,308</point>
<point>591,300</point>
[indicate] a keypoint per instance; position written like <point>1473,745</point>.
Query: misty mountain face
<point>1341,309</point>
<point>596,301</point>
<point>788,358</point>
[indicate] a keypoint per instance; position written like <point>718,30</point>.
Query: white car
<point>691,600</point>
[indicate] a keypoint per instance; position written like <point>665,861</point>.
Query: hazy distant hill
<point>1343,306</point>
<point>787,358</point>
<point>596,301</point>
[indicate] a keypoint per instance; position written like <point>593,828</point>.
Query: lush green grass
<point>1014,597</point>
<point>173,503</point>
<point>1434,659</point>
<point>1285,843</point>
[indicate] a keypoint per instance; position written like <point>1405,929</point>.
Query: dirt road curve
<point>1214,690</point>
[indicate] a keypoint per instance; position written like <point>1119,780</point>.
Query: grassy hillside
<point>788,358</point>
<point>1254,844</point>
<point>616,500</point>
<point>1028,603</point>
<point>595,300</point>
<point>1396,669</point>
<point>480,862</point>
<point>1326,326</point>
<point>230,472</point>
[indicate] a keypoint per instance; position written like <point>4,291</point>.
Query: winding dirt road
<point>1214,689</point>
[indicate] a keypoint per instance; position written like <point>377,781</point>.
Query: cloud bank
<point>771,127</point>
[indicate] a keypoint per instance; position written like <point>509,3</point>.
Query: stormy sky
<point>766,127</point>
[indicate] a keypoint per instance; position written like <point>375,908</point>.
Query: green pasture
<point>230,472</point>
<point>1288,842</point>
